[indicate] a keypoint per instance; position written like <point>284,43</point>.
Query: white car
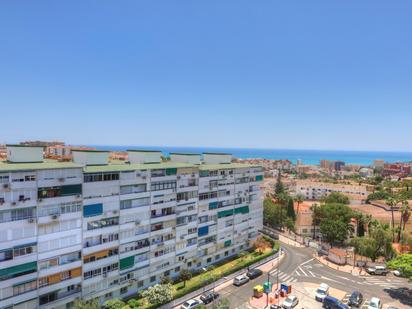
<point>190,304</point>
<point>290,302</point>
<point>375,303</point>
<point>322,292</point>
<point>240,280</point>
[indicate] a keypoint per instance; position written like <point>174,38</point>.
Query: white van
<point>322,292</point>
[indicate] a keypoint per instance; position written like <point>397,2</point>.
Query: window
<point>4,179</point>
<point>30,178</point>
<point>152,278</point>
<point>123,290</point>
<point>24,250</point>
<point>186,195</point>
<point>24,288</point>
<point>133,189</point>
<point>102,223</point>
<point>6,255</point>
<point>163,185</point>
<point>101,177</point>
<point>68,190</point>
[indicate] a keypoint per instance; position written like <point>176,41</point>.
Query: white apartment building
<point>95,229</point>
<point>315,190</point>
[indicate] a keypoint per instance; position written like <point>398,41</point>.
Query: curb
<point>364,275</point>
<point>217,283</point>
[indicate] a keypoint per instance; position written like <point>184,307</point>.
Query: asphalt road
<point>300,266</point>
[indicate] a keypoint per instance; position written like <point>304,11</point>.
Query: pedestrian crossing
<point>300,272</point>
<point>283,277</point>
<point>383,282</point>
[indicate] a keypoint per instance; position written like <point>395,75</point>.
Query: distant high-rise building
<point>338,165</point>
<point>325,164</point>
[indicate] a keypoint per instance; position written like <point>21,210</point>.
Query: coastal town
<point>146,229</point>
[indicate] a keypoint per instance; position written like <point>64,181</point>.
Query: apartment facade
<point>94,229</point>
<point>315,190</point>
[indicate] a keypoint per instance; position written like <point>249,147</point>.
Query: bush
<point>403,263</point>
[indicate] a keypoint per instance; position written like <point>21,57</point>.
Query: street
<point>300,267</point>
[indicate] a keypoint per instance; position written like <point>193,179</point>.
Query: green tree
<point>185,275</point>
<point>165,280</point>
<point>279,188</point>
<point>392,202</point>
<point>273,214</point>
<point>378,243</point>
<point>114,304</point>
<point>83,304</point>
<point>133,303</point>
<point>403,263</point>
<point>159,294</point>
<point>335,198</point>
<point>290,224</point>
<point>299,198</point>
<point>290,211</point>
<point>335,222</point>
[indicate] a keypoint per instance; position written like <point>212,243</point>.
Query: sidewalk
<point>290,242</point>
<point>264,265</point>
<point>355,271</point>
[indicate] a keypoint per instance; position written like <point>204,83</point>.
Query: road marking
<point>300,268</point>
<point>297,273</point>
<point>313,275</point>
<point>307,262</point>
<point>326,278</point>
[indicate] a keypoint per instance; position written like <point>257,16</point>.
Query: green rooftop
<point>116,166</point>
<point>46,165</point>
<point>131,167</point>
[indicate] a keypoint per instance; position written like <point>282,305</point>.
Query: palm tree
<point>299,200</point>
<point>405,213</point>
<point>392,202</point>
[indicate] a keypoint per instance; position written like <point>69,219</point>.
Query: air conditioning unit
<point>137,222</point>
<point>178,177</point>
<point>6,186</point>
<point>54,217</point>
<point>13,204</point>
<point>31,220</point>
<point>61,179</point>
<point>143,177</point>
<point>114,212</point>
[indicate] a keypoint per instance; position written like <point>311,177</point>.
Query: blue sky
<point>268,74</point>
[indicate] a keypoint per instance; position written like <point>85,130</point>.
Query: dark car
<point>254,273</point>
<point>208,297</point>
<point>333,303</point>
<point>355,299</point>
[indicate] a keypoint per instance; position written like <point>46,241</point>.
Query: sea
<point>311,157</point>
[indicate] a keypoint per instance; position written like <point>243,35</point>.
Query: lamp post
<point>267,290</point>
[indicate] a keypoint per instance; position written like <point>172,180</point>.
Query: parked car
<point>377,270</point>
<point>190,304</point>
<point>375,303</point>
<point>240,280</point>
<point>208,297</point>
<point>254,273</point>
<point>322,292</point>
<point>275,307</point>
<point>397,273</point>
<point>330,302</point>
<point>355,299</point>
<point>290,302</point>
